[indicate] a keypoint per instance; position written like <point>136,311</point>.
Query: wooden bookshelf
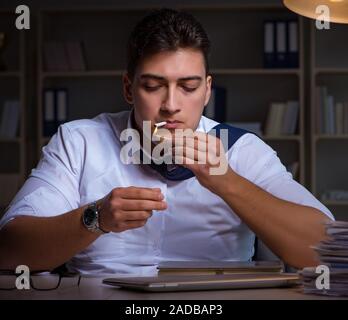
<point>13,87</point>
<point>329,67</point>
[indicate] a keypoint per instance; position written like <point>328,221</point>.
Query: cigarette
<point>160,124</point>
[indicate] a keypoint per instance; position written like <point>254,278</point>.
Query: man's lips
<point>172,124</point>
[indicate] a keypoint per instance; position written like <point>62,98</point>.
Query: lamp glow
<point>308,8</point>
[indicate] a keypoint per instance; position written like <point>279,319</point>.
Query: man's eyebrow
<point>160,78</point>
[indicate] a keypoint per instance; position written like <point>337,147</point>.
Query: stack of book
<point>335,195</point>
<point>64,56</point>
<point>333,255</point>
<point>332,116</point>
<point>282,118</point>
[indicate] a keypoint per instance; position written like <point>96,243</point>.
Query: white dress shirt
<point>82,164</point>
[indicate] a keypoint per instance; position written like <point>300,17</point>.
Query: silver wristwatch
<point>90,218</point>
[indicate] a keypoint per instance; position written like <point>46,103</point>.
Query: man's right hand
<point>129,208</point>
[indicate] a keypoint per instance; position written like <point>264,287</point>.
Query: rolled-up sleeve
<point>258,162</point>
<point>53,187</point>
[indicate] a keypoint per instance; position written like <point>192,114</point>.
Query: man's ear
<point>208,89</point>
<point>127,88</point>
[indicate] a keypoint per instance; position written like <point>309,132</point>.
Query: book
<point>61,106</point>
<point>330,117</point>
<point>292,52</point>
<point>345,118</point>
<point>281,47</point>
<point>339,114</point>
<point>274,121</point>
<point>219,267</point>
<point>55,110</point>
<point>290,118</point>
<point>49,112</point>
<point>269,44</point>
<point>9,119</point>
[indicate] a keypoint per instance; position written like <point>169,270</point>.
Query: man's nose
<point>170,102</point>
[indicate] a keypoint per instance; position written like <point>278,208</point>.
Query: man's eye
<point>151,88</point>
<point>189,89</point>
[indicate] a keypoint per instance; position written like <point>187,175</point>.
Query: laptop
<point>205,282</point>
<point>218,267</point>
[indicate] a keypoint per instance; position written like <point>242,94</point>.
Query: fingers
<point>185,155</point>
<point>138,193</point>
<point>135,205</point>
<point>133,215</point>
<point>200,141</point>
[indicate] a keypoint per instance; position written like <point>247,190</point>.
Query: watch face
<point>89,217</point>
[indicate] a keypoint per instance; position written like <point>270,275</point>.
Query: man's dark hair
<point>165,30</point>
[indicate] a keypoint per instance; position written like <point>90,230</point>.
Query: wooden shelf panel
<point>335,203</point>
<point>80,74</point>
<point>341,71</point>
<point>244,71</point>
<point>12,140</point>
<point>331,137</point>
<point>10,73</point>
<point>284,137</point>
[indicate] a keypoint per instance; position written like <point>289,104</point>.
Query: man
<point>85,207</point>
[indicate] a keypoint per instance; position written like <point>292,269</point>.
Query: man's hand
<point>129,208</point>
<point>205,156</point>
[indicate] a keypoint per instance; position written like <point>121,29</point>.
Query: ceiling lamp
<point>337,9</point>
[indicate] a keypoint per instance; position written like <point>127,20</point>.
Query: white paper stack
<point>333,253</point>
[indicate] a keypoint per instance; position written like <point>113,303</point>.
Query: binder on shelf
<point>62,106</point>
<point>281,51</point>
<point>293,52</point>
<point>216,107</point>
<point>330,117</point>
<point>269,44</point>
<point>55,110</point>
<point>9,119</point>
<point>49,111</point>
<point>281,44</point>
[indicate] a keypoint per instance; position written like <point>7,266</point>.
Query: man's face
<point>170,86</point>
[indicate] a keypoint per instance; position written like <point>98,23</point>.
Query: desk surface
<point>93,288</point>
